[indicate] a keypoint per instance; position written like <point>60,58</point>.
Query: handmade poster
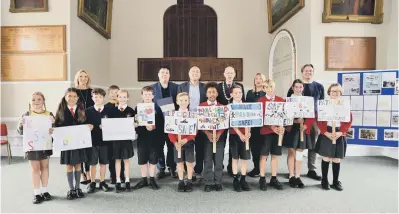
<point>166,104</point>
<point>145,114</point>
<point>72,137</point>
<point>372,83</point>
<point>36,134</point>
<point>388,79</point>
<point>383,118</point>
<point>118,129</point>
<point>276,114</point>
<point>397,86</point>
<point>183,123</point>
<point>391,134</point>
<point>357,103</point>
<point>350,134</point>
<point>368,134</point>
<point>329,110</point>
<point>213,117</point>
<point>301,106</point>
<point>371,102</point>
<point>369,118</point>
<point>395,103</point>
<point>357,118</point>
<point>394,119</point>
<point>384,102</point>
<point>246,115</point>
<point>351,84</point>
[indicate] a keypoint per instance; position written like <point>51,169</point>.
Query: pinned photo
<point>368,134</point>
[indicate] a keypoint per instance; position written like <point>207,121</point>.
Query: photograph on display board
<point>372,83</point>
<point>388,79</point>
<point>350,134</point>
<point>394,119</point>
<point>368,134</point>
<point>391,134</point>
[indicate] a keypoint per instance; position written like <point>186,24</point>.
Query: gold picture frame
<point>23,6</point>
<point>99,21</point>
<point>362,11</point>
<point>280,11</point>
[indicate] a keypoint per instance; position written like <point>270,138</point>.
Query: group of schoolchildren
<point>71,112</point>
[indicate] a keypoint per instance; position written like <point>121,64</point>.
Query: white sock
<point>36,191</point>
<point>118,180</point>
<point>44,189</point>
<point>127,179</point>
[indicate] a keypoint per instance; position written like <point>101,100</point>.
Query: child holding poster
<point>184,145</point>
<point>332,146</point>
<point>113,103</point>
<point>270,135</point>
<point>122,149</point>
<point>238,138</point>
<point>147,145</point>
<point>294,142</point>
<point>70,113</point>
<point>213,163</point>
<point>38,159</point>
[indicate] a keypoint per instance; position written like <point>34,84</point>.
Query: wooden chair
<point>4,133</point>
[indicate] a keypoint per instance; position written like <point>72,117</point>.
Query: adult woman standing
<point>252,96</point>
<point>82,83</point>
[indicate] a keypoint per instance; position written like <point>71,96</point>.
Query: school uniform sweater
<point>94,118</point>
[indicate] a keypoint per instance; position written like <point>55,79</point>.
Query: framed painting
<point>365,11</point>
<point>97,14</point>
<point>21,6</point>
<point>280,11</point>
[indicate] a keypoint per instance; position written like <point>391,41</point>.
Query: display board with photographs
<point>374,105</point>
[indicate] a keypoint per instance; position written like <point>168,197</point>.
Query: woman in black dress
<point>252,96</point>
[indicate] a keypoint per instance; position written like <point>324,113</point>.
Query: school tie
<point>99,110</point>
<point>72,112</point>
<point>121,109</point>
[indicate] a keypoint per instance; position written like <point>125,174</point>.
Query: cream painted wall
<point>89,49</point>
<point>137,32</point>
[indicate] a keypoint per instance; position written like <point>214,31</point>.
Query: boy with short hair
<point>186,147</point>
<point>99,151</point>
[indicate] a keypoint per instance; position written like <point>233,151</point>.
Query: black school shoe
<point>262,183</point>
<point>142,183</point>
<point>325,185</point>
<point>118,188</point>
<point>173,173</point>
<point>218,187</point>
<point>91,188</point>
<point>293,182</point>
<point>299,183</point>
<point>313,175</point>
<point>127,187</point>
<point>71,195</point>
<point>236,185</point>
<point>153,185</point>
<point>188,187</point>
<point>105,187</point>
<point>180,186</point>
<point>337,186</point>
<point>46,196</point>
<point>208,188</point>
<point>79,193</point>
<point>37,199</point>
<point>254,173</point>
<point>161,174</point>
<point>244,185</point>
<point>276,184</point>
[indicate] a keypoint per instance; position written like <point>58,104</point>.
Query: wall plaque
<point>350,53</point>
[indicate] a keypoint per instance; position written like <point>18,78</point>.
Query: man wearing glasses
<point>315,90</point>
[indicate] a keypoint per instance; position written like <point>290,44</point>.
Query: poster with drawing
<point>351,84</point>
<point>329,110</point>
<point>72,137</point>
<point>36,134</point>
<point>246,114</point>
<point>183,123</point>
<point>301,106</point>
<point>372,83</point>
<point>276,114</point>
<point>145,114</point>
<point>213,117</point>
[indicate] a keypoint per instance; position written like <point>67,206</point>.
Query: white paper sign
<point>276,114</point>
<point>246,114</point>
<point>183,123</point>
<point>118,129</point>
<point>384,102</point>
<point>357,103</point>
<point>72,137</point>
<point>384,118</point>
<point>333,111</point>
<point>213,117</point>
<point>36,135</point>
<point>301,106</point>
<point>145,114</point>
<point>371,103</point>
<point>357,118</point>
<point>369,118</point>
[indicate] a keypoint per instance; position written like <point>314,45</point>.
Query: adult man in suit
<point>224,98</point>
<point>163,89</point>
<point>315,90</point>
<point>196,90</point>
